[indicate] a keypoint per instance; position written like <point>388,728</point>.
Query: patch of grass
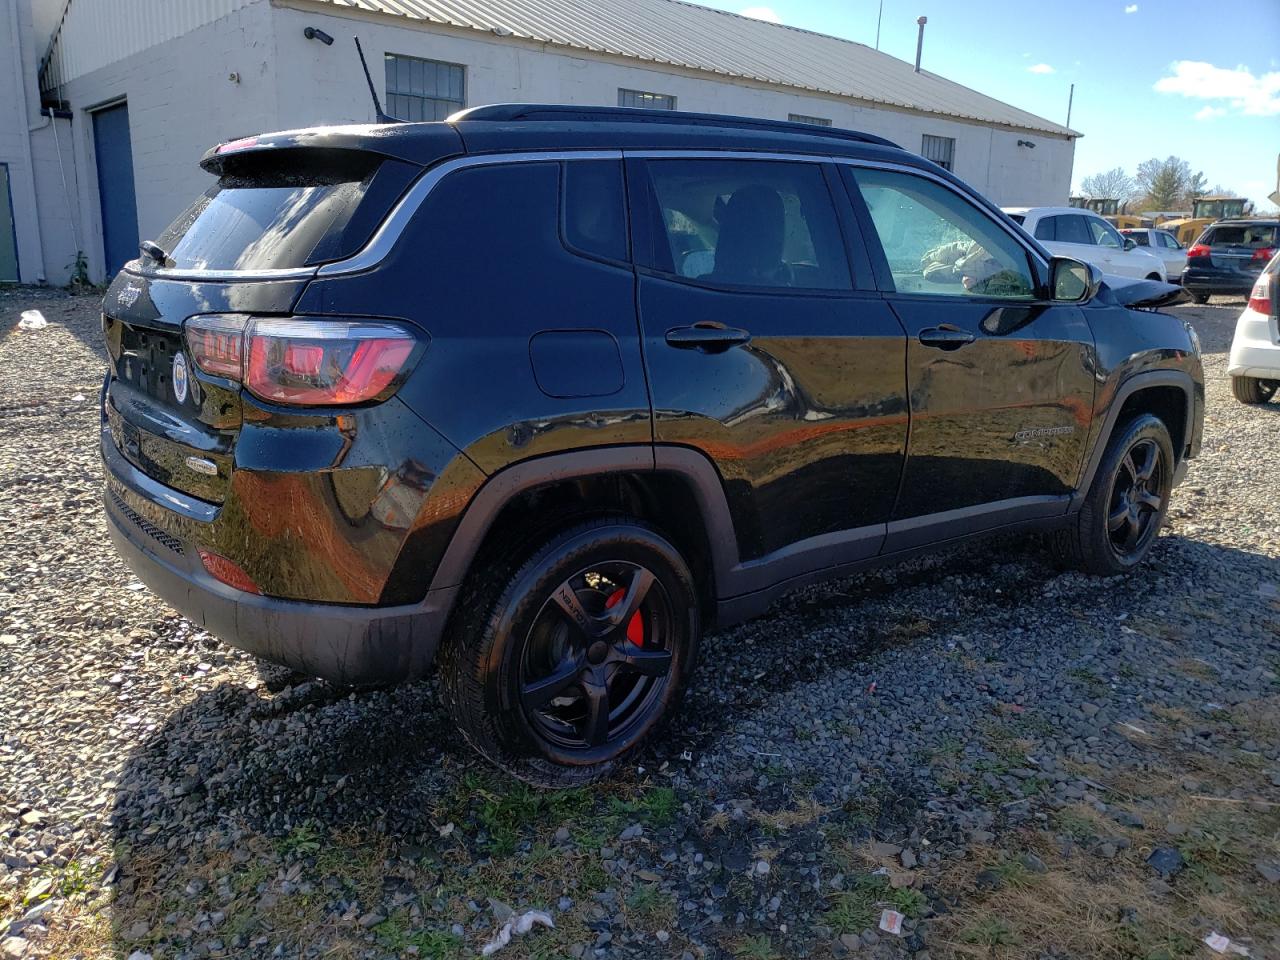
<point>1089,679</point>
<point>658,806</point>
<point>304,840</point>
<point>431,944</point>
<point>1012,873</point>
<point>648,905</point>
<point>989,932</point>
<point>758,947</point>
<point>73,881</point>
<point>859,907</point>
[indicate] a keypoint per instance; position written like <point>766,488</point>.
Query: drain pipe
<point>26,140</point>
<point>920,41</point>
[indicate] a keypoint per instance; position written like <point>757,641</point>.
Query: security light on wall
<point>311,33</point>
<point>1026,143</point>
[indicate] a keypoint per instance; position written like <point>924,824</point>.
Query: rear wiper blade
<point>153,251</point>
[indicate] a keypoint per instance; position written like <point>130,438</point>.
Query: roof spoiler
<point>521,112</point>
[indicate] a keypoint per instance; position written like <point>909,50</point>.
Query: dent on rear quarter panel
<point>482,270</point>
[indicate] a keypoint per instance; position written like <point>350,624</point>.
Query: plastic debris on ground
<point>32,320</point>
<point>891,922</point>
<point>1220,944</point>
<point>516,926</point>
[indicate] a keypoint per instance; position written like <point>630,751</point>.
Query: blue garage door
<point>8,236</point>
<point>115,186</point>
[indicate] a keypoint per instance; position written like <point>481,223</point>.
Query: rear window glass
<point>1140,239</point>
<point>265,219</point>
<point>595,219</point>
<point>1017,218</point>
<point>1255,236</point>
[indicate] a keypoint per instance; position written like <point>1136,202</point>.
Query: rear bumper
<point>1212,281</point>
<point>1255,348</point>
<point>341,643</point>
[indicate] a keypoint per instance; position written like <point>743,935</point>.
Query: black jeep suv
<point>543,393</point>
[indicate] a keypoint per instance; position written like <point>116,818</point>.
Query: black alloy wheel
<point>1137,499</point>
<point>597,658</point>
<point>565,663</point>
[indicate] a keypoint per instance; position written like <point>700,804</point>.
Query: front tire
<point>1253,390</point>
<point>1126,504</point>
<point>1200,298</point>
<point>562,667</point>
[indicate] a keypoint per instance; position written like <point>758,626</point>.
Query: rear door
<point>998,376</point>
<point>113,153</point>
<point>769,350</point>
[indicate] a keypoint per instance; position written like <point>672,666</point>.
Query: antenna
<point>377,107</point>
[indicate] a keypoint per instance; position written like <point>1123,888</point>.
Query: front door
<point>999,378</point>
<point>769,353</point>
<point>114,154</point>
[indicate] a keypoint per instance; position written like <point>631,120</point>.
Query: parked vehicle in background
<point>1229,256</point>
<point>1254,364</point>
<point>1204,211</point>
<point>1162,244</point>
<point>554,390</point>
<point>1084,235</point>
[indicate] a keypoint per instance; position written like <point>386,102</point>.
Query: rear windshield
<point>1257,236</point>
<point>1018,218</point>
<point>267,218</point>
<point>1140,239</point>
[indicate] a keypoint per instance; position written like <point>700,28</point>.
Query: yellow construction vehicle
<point>1204,211</point>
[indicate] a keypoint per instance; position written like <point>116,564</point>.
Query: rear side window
<point>594,208</point>
<point>1254,236</point>
<point>257,217</point>
<point>751,223</point>
<point>1017,218</point>
<point>1065,228</point>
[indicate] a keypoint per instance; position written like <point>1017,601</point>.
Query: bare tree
<point>1168,184</point>
<point>1109,183</point>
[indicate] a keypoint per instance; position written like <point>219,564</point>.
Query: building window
<point>647,101</point>
<point>420,89</point>
<point>803,118</point>
<point>941,150</point>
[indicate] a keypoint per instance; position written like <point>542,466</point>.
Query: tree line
<point>1157,184</point>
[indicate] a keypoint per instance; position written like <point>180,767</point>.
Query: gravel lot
<point>991,747</point>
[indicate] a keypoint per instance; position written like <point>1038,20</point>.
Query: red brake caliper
<point>635,629</point>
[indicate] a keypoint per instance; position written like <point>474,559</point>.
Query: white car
<point>1083,235</point>
<point>1162,244</point>
<point>1254,366</point>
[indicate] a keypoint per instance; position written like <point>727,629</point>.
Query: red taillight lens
<point>325,362</point>
<point>1266,253</point>
<point>1198,250</point>
<point>1260,296</point>
<point>228,572</point>
<point>216,344</point>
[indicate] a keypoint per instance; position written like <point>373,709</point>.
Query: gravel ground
<point>975,740</point>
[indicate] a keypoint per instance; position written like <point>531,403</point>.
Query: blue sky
<point>1193,78</point>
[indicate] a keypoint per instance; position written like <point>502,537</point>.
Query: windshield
<point>263,221</point>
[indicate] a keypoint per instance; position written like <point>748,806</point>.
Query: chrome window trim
<point>385,237</point>
<point>379,246</point>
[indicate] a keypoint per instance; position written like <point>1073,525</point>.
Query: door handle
<point>946,337</point>
<point>707,336</point>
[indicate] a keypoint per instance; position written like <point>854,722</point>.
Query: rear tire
<point>548,684</point>
<point>1253,390</point>
<point>1199,297</point>
<point>1126,504</point>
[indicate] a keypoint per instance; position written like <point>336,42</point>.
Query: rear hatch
<point>249,245</point>
<point>1241,248</point>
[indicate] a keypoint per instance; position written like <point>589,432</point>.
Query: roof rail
<point>509,112</point>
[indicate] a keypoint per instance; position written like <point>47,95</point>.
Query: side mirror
<point>1073,281</point>
<point>1130,243</point>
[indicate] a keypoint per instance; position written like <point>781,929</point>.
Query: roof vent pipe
<point>920,40</point>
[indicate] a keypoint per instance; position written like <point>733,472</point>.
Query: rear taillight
<point>1260,296</point>
<point>1198,250</point>
<point>304,362</point>
<point>1265,254</point>
<point>216,344</point>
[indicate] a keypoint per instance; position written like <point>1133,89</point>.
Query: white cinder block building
<point>139,89</point>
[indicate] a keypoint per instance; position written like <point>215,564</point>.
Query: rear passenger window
<point>751,223</point>
<point>594,208</point>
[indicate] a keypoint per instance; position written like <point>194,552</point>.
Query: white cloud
<point>1256,96</point>
<point>762,13</point>
<point>1131,8</point>
<point>1209,112</point>
<point>1040,68</point>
